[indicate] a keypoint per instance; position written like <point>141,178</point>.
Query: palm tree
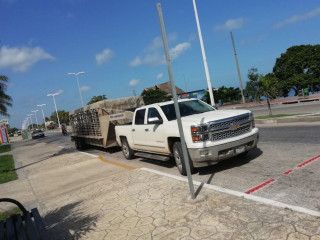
<point>5,100</point>
<point>270,88</point>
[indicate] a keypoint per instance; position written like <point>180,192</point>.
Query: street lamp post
<point>35,114</point>
<point>55,106</point>
<point>76,74</point>
<point>44,120</point>
<point>31,123</point>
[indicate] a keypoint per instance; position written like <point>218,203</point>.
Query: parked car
<point>19,132</point>
<point>11,134</point>
<point>37,134</point>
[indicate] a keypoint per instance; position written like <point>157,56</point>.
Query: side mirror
<point>155,120</point>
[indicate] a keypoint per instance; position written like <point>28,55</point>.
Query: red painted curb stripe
<point>260,186</point>
<point>309,161</point>
<point>287,172</point>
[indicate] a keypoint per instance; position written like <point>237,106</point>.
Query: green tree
<point>270,88</point>
<point>252,86</point>
<point>97,99</point>
<point>225,94</point>
<point>299,67</point>
<point>154,96</point>
<point>63,117</point>
<point>5,100</point>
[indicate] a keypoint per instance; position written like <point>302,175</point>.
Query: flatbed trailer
<point>94,124</point>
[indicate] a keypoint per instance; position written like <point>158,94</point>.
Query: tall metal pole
<point>238,69</point>
<point>76,74</point>
<point>44,120</point>
<point>55,106</point>
<point>35,114</point>
<point>175,100</point>
<point>204,55</point>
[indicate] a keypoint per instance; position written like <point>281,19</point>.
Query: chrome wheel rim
<point>177,158</point>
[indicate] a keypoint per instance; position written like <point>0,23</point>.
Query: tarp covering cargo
<point>92,124</point>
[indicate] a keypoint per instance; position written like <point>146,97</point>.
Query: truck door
<point>138,129</point>
<point>154,131</point>
<point>148,136</point>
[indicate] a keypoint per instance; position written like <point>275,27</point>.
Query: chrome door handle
<point>147,129</point>
<point>133,130</point>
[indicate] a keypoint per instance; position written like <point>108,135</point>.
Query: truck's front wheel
<point>179,159</point>
<point>126,149</point>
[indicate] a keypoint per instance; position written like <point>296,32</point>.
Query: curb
<point>301,118</point>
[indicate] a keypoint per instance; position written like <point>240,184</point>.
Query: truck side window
<point>153,112</point>
<point>139,119</point>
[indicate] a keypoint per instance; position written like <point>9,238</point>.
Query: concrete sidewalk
<point>82,196</point>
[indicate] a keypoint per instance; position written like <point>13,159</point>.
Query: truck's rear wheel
<point>126,149</point>
<point>179,159</point>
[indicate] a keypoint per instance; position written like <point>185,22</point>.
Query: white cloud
<point>60,91</point>
<point>104,56</point>
<point>154,54</point>
<point>85,88</point>
<point>178,50</point>
<point>160,75</point>
<point>136,62</point>
<point>298,18</point>
<point>134,82</point>
<point>231,24</point>
<point>20,59</point>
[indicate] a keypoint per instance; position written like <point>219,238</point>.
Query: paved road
<point>281,149</point>
<point>302,108</point>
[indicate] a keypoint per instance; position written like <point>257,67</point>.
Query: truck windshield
<point>186,108</point>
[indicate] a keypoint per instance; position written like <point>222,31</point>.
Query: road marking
<point>117,164</point>
<point>308,161</point>
<point>89,154</point>
<point>239,194</point>
<point>260,186</point>
<point>287,172</point>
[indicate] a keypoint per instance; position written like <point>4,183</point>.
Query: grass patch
<point>276,116</point>
<point>5,148</point>
<point>7,169</point>
<point>5,215</point>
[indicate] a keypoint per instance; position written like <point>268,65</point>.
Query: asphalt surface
<point>83,196</point>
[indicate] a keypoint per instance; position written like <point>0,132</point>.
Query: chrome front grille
<point>230,133</point>
<point>226,123</point>
<point>230,127</point>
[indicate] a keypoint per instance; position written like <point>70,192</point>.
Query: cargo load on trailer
<point>94,124</point>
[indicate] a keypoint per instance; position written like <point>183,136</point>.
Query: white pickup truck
<point>211,135</point>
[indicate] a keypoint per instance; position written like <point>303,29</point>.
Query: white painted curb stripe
<point>89,154</point>
<point>239,194</point>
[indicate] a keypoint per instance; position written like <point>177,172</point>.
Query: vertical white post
<point>204,55</point>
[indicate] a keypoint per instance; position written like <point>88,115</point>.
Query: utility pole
<point>175,101</point>
<point>204,55</point>
<point>238,69</point>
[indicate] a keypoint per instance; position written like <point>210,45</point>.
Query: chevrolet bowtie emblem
<point>234,127</point>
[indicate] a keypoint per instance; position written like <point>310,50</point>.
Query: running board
<point>152,156</point>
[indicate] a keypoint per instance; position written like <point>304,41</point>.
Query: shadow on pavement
<point>225,165</point>
<point>59,153</point>
<point>69,222</point>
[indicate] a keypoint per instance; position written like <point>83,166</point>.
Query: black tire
<point>80,145</point>
<point>126,149</point>
<point>179,159</point>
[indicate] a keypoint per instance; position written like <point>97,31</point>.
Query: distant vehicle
<point>11,134</point>
<point>19,132</point>
<point>37,134</point>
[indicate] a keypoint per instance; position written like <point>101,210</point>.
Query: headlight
<point>199,133</point>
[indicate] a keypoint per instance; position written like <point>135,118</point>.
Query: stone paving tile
<point>141,205</point>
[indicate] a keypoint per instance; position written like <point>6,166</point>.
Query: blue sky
<point>117,43</point>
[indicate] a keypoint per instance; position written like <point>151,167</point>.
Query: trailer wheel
<point>79,142</point>
<point>126,149</point>
<point>179,159</point>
